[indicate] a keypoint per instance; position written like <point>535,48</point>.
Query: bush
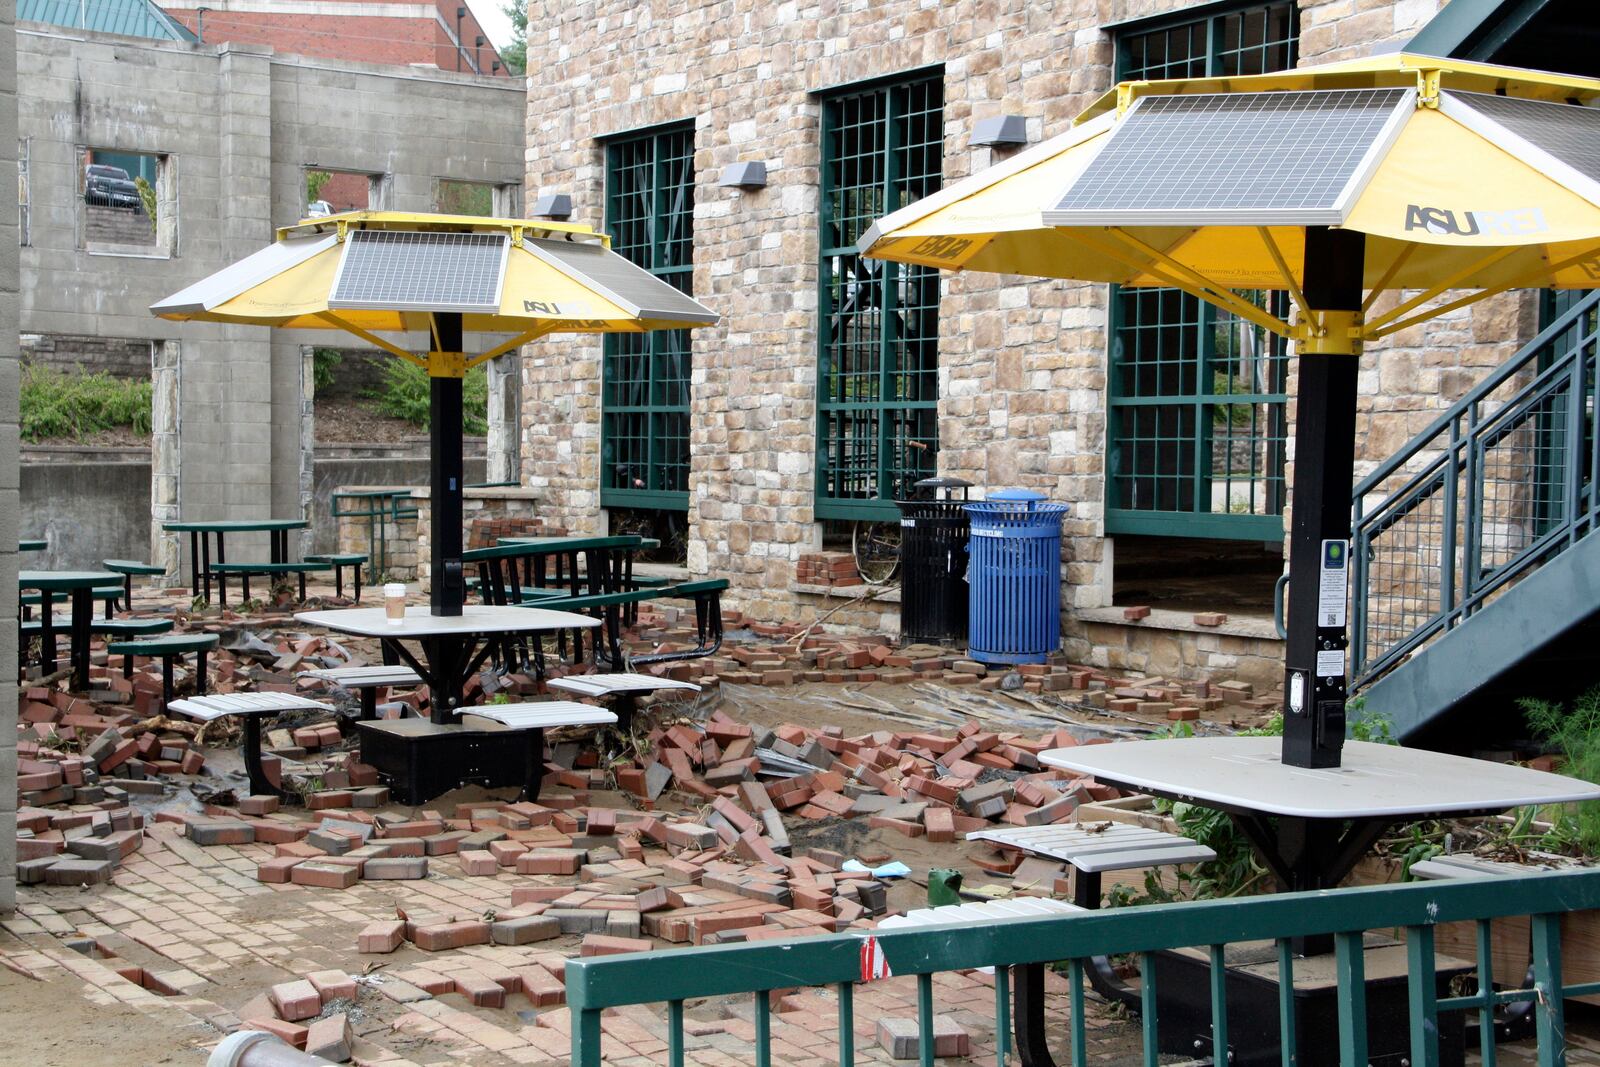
<point>324,368</point>
<point>404,393</point>
<point>1575,734</point>
<point>56,405</point>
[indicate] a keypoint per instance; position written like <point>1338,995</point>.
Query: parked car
<point>110,186</point>
<point>318,208</point>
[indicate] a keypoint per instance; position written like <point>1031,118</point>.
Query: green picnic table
<point>201,533</point>
<point>29,544</point>
<point>80,587</point>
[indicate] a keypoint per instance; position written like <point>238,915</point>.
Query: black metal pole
<point>1315,686</point>
<point>449,584</point>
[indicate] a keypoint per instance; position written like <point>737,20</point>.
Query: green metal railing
<point>1497,485</point>
<point>674,977</point>
<point>379,507</point>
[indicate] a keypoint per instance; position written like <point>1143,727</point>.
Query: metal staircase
<point>1477,558</point>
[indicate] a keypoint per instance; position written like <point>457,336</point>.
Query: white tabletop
<point>1374,781</point>
<point>420,622</point>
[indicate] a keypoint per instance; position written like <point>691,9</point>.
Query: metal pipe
<point>257,1048</point>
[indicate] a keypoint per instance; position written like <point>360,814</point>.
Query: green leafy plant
<point>147,196</point>
<point>324,368</point>
<point>403,392</point>
<point>315,180</point>
<point>1575,734</point>
<point>58,405</point>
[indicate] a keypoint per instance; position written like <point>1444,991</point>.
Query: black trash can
<point>933,563</point>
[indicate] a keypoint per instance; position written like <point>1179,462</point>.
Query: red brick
<point>296,1000</point>
<point>293,1033</point>
<point>325,875</point>
<point>443,936</point>
<point>333,985</point>
<point>478,864</point>
<point>602,945</point>
<point>383,936</point>
<point>277,870</point>
<point>483,992</point>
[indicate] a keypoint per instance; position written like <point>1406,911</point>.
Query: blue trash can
<point>1014,614</point>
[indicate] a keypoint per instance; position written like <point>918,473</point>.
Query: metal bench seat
<point>339,561</point>
<point>543,715</point>
<point>1096,849</point>
<point>167,648</point>
<point>128,568</point>
<point>985,911</point>
<point>253,707</point>
<point>602,685</point>
<point>244,570</point>
<point>366,681</point>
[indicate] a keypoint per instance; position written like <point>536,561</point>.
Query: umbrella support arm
<point>1315,683</point>
<point>448,580</point>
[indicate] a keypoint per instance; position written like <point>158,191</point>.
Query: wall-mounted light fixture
<point>748,175</point>
<point>1002,131</point>
<point>553,206</point>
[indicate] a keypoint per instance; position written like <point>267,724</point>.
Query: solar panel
<point>1284,158</point>
<point>1568,132</point>
<point>407,270</point>
<point>626,285</point>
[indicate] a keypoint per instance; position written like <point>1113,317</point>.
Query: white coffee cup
<point>394,602</point>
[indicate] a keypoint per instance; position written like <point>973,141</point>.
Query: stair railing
<point>1497,485</point>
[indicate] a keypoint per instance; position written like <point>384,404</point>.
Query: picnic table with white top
<point>453,647</point>
<point>79,587</point>
<point>1311,826</point>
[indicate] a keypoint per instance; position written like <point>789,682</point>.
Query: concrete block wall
<point>10,277</point>
<point>1022,364</point>
<point>238,126</point>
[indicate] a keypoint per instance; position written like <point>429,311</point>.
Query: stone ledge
<point>1255,627</point>
<point>884,595</point>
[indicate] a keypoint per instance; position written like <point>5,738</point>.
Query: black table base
<point>421,765</point>
<point>1183,1023</point>
<point>446,666</point>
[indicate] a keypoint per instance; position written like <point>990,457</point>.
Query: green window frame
<point>877,322</point>
<point>1197,399</point>
<point>645,377</point>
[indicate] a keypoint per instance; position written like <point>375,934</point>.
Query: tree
<point>515,54</point>
<point>315,180</point>
<point>147,196</point>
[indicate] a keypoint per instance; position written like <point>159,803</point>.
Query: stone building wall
<point>1022,364</point>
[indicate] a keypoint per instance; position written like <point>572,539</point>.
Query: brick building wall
<point>1022,366</point>
<point>402,34</point>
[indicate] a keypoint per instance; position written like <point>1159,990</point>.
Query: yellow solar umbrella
<point>377,272</point>
<point>1335,183</point>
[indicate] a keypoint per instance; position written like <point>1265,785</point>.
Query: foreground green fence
<point>838,960</point>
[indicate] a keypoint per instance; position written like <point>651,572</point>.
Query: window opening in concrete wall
<point>129,202</point>
<point>644,420</point>
<point>877,322</point>
<point>23,207</point>
<point>332,192</point>
<point>452,197</point>
<point>1197,399</point>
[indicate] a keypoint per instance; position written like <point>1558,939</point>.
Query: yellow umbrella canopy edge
<point>1396,69</point>
<point>557,279</point>
<point>1536,219</point>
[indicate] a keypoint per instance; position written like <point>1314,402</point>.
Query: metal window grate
<point>645,394</point>
<point>1197,399</point>
<point>878,322</point>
